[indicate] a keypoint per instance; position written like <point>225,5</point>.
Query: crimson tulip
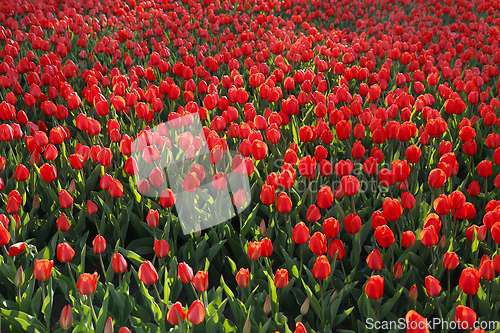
<point>176,311</point>
<point>281,278</point>
<point>87,283</point>
<point>374,260</point>
<point>374,288</point>
<point>321,269</point>
<point>242,277</point>
<point>469,281</point>
<point>147,273</point>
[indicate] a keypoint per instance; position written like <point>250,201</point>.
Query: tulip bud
<point>413,294</point>
<point>109,326</point>
<point>262,227</point>
<point>333,297</point>
<point>66,319</point>
<point>72,187</point>
<point>36,202</point>
<point>305,306</point>
<point>442,242</point>
<point>19,278</point>
<point>267,305</point>
<point>246,328</point>
<point>197,231</point>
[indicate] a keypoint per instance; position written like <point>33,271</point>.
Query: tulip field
<point>249,166</point>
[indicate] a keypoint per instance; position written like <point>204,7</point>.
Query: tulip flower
<point>119,263</point>
<point>352,223</point>
<point>374,288</point>
<point>384,236</point>
<point>66,318</point>
<point>266,247</point>
<point>398,271</point>
<point>331,227</point>
<point>253,250</point>
<point>465,317</point>
<point>432,286</point>
<point>65,252</point>
<point>283,204</point>
<point>4,235</point>
<point>317,243</point>
<point>313,214</point>
<point>242,277</point>
<point>63,223</point>
<point>392,209</point>
<point>200,281</point>
<point>415,323</point>
<point>374,260</point>
<point>152,218</point>
<point>43,269</point>
<point>321,269</point>
<point>108,328</point>
<point>87,283</point>
<point>300,233</point>
<point>196,312</point>
<point>469,281</point>
<point>176,311</point>
<point>65,199</point>
<point>17,249</point>
<point>281,278</point>
<point>147,273</point>
<point>184,272</point>
<point>325,197</point>
<point>161,248</point>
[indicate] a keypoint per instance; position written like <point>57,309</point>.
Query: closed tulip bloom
<point>398,271</point>
<point>352,223</point>
<point>4,236</point>
<point>375,287</point>
<point>22,174</point>
<point>392,209</point>
<point>43,269</point>
<point>267,195</point>
<point>469,281</point>
<point>191,182</point>
<point>161,248</point>
<point>266,247</point>
<point>378,219</point>
<point>65,252</point>
<point>66,318</point>
<point>331,227</point>
<point>200,281</point>
<point>325,197</point>
<point>124,330</point>
<point>17,249</point>
<point>184,272</point>
<point>413,293</point>
<point>437,178</point>
<point>239,198</point>
<point>176,311</point>
<point>484,169</point>
<point>253,250</point>
<point>374,260</point>
<point>407,200</point>
<point>65,199</point>
<point>457,200</point>
<point>313,214</point>
<point>119,263</point>
<point>442,204</point>
<point>474,188</point>
<point>300,233</point>
<point>336,248</point>
<point>196,312</point>
<point>242,277</point>
<point>415,323</point>
<point>486,270</point>
<point>321,269</point>
<point>465,316</point>
<point>48,172</point>
<point>480,232</point>
<point>91,207</point>
<point>413,154</point>
<point>87,283</point>
<point>147,273</point>
<point>384,236</point>
<point>317,244</point>
<point>152,218</point>
<point>432,286</point>
<point>99,244</point>
<point>283,204</point>
<point>350,185</point>
<point>496,263</point>
<point>433,220</point>
<point>281,278</point>
<point>108,328</point>
<point>429,236</point>
<point>450,260</point>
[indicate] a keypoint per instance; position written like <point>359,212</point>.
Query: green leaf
<point>389,305</point>
<point>103,313</point>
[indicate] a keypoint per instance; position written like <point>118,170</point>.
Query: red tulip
<point>196,312</point>
<point>242,277</point>
<point>119,263</point>
<point>450,260</point>
<point>283,204</point>
<point>432,286</point>
<point>437,178</point>
<point>321,269</point>
<point>99,244</point>
<point>66,318</point>
<point>4,235</point>
<point>266,247</point>
<point>313,214</point>
<point>167,198</point>
<point>176,311</point>
<point>152,218</point>
<point>415,323</point>
<point>300,233</point>
<point>374,260</point>
<point>65,252</point>
<point>281,278</point>
<point>469,281</point>
<point>384,236</point>
<point>184,272</point>
<point>147,273</point>
<point>43,269</point>
<point>317,244</point>
<point>350,185</point>
<point>484,169</point>
<point>331,227</point>
<point>398,271</point>
<point>392,209</point>
<point>325,197</point>
<point>87,283</point>
<point>48,172</point>
<point>465,317</point>
<point>267,195</point>
<point>65,199</point>
<point>486,270</point>
<point>161,248</point>
<point>375,287</point>
<point>336,248</point>
<point>22,174</point>
<point>200,281</point>
<point>352,223</point>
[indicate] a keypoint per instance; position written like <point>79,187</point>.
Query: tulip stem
<point>70,274</point>
<point>471,302</point>
<point>102,265</point>
<point>301,259</point>
<point>322,303</point>
<point>343,269</point>
<point>432,261</point>
<point>376,308</point>
<point>94,316</point>
<point>159,299</point>
<point>439,309</point>
<point>352,202</point>
<point>448,282</point>
<point>97,227</point>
